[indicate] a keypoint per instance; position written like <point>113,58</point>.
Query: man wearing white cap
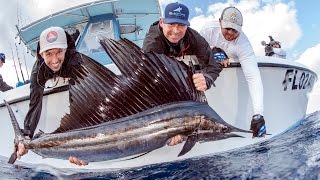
<point>227,34</point>
<point>56,57</point>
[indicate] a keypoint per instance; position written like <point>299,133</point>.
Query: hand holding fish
<point>258,126</point>
<point>176,140</point>
<point>199,82</point>
<point>77,161</point>
<point>225,63</point>
<point>21,150</point>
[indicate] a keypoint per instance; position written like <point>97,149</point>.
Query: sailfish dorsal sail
<point>147,80</point>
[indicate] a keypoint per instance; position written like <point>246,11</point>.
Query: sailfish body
<point>114,117</point>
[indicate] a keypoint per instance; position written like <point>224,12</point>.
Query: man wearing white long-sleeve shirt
<point>227,34</point>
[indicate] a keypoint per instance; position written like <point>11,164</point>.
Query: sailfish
<point>118,116</point>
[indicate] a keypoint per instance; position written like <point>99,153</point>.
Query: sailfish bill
<point>152,101</point>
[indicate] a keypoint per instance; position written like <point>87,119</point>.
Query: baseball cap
<point>3,57</point>
<point>176,13</point>
<point>219,54</point>
<point>231,17</point>
<point>53,37</point>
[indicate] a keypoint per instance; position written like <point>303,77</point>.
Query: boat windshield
<point>96,31</point>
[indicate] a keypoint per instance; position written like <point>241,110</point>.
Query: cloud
<point>260,20</point>
<point>311,58</point>
<point>198,10</point>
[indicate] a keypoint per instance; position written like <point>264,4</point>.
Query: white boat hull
<point>230,99</point>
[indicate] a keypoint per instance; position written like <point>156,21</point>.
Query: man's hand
<point>225,63</point>
<point>220,56</point>
<point>77,161</point>
<point>258,126</point>
<point>199,82</point>
<point>21,150</point>
<point>176,140</point>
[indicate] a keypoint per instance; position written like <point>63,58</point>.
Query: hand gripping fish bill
<point>153,100</point>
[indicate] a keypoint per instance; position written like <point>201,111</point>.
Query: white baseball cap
<point>231,17</point>
<point>53,37</point>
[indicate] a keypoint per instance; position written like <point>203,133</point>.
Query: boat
<point>286,84</point>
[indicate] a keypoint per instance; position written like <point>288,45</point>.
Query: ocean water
<point>294,154</point>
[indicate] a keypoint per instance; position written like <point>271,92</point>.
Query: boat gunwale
<point>232,65</point>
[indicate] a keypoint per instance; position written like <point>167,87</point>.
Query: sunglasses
<point>233,30</point>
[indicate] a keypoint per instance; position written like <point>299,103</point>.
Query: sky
<point>294,23</point>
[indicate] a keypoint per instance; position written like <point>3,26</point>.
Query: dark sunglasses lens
<point>233,30</point>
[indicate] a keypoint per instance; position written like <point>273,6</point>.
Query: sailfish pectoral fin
<point>204,136</point>
<point>190,142</point>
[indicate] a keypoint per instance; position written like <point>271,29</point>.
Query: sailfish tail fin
<point>17,131</point>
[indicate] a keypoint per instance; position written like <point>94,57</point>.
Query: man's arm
<point>35,106</point>
<point>211,69</point>
<point>252,75</point>
<point>4,86</point>
<point>151,43</point>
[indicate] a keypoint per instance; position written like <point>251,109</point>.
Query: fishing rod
<point>18,57</point>
<point>24,56</point>
<point>14,64</point>
<point>25,63</point>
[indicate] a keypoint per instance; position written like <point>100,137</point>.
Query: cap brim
<point>53,46</point>
<point>228,24</point>
<point>174,20</point>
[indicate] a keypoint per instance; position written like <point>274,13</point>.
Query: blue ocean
<point>294,154</point>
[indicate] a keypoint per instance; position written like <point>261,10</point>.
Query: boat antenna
<point>18,58</point>
<point>14,63</point>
